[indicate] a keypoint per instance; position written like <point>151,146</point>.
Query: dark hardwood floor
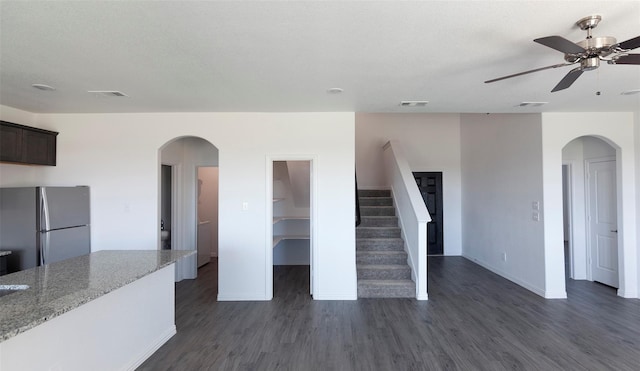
<point>473,320</point>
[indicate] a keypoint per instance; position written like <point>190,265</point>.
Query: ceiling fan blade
<point>630,44</point>
<point>627,59</point>
<point>526,72</point>
<point>561,44</point>
<point>569,79</point>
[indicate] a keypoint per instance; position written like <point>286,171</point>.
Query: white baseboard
<point>335,297</point>
<point>247,297</point>
<point>168,334</point>
<point>526,285</point>
<point>627,294</point>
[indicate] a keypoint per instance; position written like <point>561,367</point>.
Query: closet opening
<point>291,227</point>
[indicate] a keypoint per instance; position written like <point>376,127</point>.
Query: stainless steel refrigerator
<point>43,225</point>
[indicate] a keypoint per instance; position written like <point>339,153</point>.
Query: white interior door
<point>603,222</point>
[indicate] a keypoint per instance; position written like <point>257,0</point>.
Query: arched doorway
<point>617,129</point>
<point>182,207</point>
<point>590,210</point>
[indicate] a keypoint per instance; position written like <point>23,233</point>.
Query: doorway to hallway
<point>184,155</point>
<point>590,204</point>
<point>430,186</point>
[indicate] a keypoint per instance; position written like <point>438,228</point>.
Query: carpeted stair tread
<point>379,244</point>
<point>377,211</point>
<point>378,232</point>
<point>381,257</point>
<point>374,193</point>
<point>376,201</point>
<point>386,289</point>
<point>384,272</point>
<point>379,221</point>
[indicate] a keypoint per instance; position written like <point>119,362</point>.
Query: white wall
<point>117,155</point>
<point>573,156</point>
<point>501,178</point>
<point>208,203</point>
<point>431,142</point>
<point>558,129</point>
<point>636,120</point>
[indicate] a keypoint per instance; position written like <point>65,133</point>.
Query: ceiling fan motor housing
<point>600,46</point>
<point>590,63</point>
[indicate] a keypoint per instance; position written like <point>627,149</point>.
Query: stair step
<point>377,232</point>
<point>386,289</point>
<point>381,261</point>
<point>381,257</point>
<point>379,221</point>
<point>374,193</point>
<point>377,211</point>
<point>384,272</point>
<point>376,201</point>
<point>379,244</point>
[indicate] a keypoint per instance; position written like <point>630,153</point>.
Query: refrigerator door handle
<point>44,210</point>
<point>44,248</point>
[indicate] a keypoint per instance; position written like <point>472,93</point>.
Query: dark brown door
<point>430,186</point>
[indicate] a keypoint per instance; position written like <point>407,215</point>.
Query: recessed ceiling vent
<point>43,87</point>
<point>631,92</point>
<point>531,104</point>
<point>413,103</point>
<point>108,93</point>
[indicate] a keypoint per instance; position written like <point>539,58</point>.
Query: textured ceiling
<point>195,56</point>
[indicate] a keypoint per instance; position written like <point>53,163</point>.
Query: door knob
<point>614,230</point>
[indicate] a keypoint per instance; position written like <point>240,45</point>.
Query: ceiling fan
<point>588,52</point>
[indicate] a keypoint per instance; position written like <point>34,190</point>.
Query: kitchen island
<point>108,310</point>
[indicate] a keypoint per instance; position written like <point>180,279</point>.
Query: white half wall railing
<point>412,213</point>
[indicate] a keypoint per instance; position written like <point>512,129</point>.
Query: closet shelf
<point>281,218</point>
<point>277,239</point>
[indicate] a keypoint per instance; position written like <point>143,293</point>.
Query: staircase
<point>381,261</point>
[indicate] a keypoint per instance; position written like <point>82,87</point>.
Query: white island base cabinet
<point>117,331</point>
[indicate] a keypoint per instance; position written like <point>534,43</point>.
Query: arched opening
<point>591,204</point>
<point>188,202</point>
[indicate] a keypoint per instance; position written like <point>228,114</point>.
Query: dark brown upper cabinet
<point>27,145</point>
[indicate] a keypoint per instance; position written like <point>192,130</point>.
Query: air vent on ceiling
<point>413,103</point>
<point>631,92</point>
<point>531,104</point>
<point>43,87</point>
<point>108,93</point>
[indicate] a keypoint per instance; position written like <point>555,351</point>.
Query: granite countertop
<point>57,288</point>
<point>5,252</point>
